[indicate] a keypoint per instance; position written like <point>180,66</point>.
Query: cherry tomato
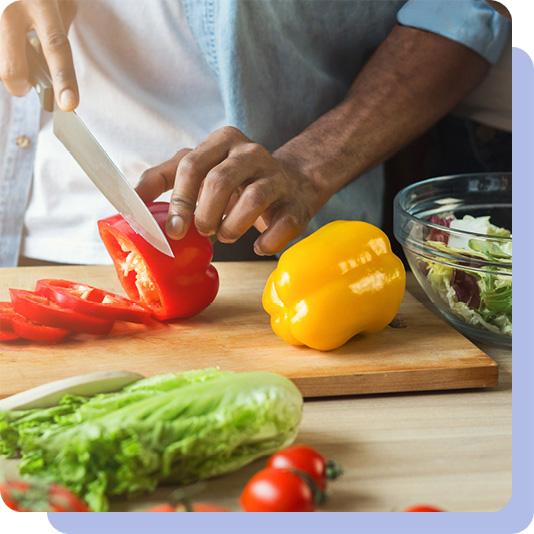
<point>180,507</point>
<point>63,500</point>
<point>36,497</point>
<point>423,508</point>
<point>10,492</point>
<point>43,311</point>
<point>277,490</point>
<point>307,460</point>
<point>90,300</point>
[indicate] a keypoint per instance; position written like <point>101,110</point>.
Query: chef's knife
<point>93,159</point>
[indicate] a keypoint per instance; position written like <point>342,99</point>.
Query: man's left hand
<point>228,184</point>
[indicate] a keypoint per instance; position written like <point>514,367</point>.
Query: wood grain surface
<point>234,333</point>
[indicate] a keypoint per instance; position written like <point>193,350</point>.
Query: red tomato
<point>277,490</point>
<point>12,322</point>
<point>196,507</point>
<point>423,508</point>
<point>37,497</point>
<point>63,500</point>
<point>11,491</point>
<point>90,300</point>
<point>307,460</point>
<point>172,288</point>
<point>162,508</point>
<point>43,311</point>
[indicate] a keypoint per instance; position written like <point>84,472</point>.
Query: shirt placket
<point>16,174</point>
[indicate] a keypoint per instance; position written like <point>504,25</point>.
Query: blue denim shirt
<point>280,64</point>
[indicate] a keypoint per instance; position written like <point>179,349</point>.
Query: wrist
<point>310,168</point>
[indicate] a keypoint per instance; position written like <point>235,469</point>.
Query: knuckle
<point>230,131</point>
<point>254,150</point>
<point>180,204</point>
<point>63,76</point>
<point>11,73</point>
<point>55,40</point>
<point>292,221</point>
<point>217,181</point>
<point>256,197</point>
<point>182,153</point>
<point>188,165</point>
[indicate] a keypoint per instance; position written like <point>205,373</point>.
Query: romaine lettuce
<point>177,428</point>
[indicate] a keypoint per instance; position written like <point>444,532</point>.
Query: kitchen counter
<point>450,449</point>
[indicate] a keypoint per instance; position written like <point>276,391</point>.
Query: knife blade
<point>93,159</point>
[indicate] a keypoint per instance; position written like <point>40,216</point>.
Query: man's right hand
<point>50,20</point>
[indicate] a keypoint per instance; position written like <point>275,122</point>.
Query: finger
<point>56,49</point>
<point>13,64</point>
<point>218,186</point>
<point>190,174</point>
<point>156,180</point>
<point>68,9</point>
<point>284,228</point>
<point>253,202</point>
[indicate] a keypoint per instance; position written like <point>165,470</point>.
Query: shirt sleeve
<point>473,23</point>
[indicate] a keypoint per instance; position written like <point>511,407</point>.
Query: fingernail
<point>257,250</point>
<point>175,227</point>
<point>67,99</point>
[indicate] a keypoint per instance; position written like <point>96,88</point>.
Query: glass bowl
<point>464,267</point>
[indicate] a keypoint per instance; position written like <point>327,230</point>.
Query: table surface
<point>451,449</point>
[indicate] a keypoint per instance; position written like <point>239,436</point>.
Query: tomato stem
<point>319,496</point>
<point>333,470</point>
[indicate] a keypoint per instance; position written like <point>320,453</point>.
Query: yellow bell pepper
<point>340,281</point>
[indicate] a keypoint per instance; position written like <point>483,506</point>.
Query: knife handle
<point>40,74</point>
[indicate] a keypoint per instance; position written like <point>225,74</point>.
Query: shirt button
<point>23,141</point>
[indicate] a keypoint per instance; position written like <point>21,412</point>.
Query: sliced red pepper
<point>172,288</point>
<point>8,336</point>
<point>6,325</point>
<point>90,300</point>
<point>43,311</point>
<point>13,323</point>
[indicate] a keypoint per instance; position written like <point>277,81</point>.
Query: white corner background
<point>523,37</point>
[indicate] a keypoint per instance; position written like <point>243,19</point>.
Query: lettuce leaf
<point>177,428</point>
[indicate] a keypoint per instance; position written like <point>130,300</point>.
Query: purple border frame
<point>516,515</point>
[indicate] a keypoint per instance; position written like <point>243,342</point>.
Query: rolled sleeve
<point>473,23</point>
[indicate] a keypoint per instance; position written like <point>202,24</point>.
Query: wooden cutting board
<point>234,333</point>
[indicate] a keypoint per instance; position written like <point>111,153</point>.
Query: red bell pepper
<point>14,324</point>
<point>172,288</point>
<point>43,311</point>
<point>90,300</point>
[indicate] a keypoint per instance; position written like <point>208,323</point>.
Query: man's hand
<point>229,184</point>
<point>50,19</point>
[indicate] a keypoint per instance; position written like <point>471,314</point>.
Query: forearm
<point>412,80</point>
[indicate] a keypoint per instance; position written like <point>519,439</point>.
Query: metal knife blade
<point>93,159</point>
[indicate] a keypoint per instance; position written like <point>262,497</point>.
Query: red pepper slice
<point>172,288</point>
<point>90,300</point>
<point>20,327</point>
<point>8,336</point>
<point>6,325</point>
<point>43,311</point>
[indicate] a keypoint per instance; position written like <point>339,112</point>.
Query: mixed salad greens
<point>481,297</point>
<point>176,428</point>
